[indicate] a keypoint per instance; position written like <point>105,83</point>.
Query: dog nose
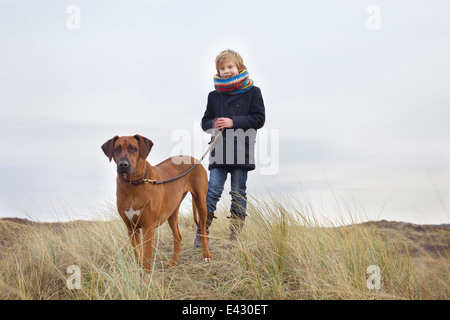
<point>122,166</point>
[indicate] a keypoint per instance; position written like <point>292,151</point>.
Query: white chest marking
<point>131,213</point>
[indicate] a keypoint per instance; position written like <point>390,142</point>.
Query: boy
<point>236,107</point>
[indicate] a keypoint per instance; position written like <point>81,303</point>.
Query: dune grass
<point>284,252</point>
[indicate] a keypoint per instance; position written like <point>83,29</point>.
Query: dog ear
<point>145,145</point>
<point>108,147</point>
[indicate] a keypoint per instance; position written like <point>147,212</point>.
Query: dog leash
<point>156,182</point>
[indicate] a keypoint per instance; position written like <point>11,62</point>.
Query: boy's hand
<point>222,123</point>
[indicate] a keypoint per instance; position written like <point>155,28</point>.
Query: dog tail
<point>195,212</point>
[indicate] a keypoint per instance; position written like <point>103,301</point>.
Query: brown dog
<point>143,205</point>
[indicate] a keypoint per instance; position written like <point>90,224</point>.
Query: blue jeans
<point>217,178</point>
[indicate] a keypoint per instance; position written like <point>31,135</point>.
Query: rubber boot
<point>236,225</point>
<point>209,218</point>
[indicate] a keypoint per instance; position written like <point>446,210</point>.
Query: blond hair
<point>230,55</point>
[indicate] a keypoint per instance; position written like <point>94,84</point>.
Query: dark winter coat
<point>236,146</point>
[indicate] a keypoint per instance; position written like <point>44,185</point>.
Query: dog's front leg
<point>135,237</point>
<point>147,247</point>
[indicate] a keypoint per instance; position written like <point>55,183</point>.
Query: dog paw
<point>172,264</point>
<point>207,260</point>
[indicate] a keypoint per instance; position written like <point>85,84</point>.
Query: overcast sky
<point>356,92</point>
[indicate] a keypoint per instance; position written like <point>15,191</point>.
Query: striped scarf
<point>234,85</point>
